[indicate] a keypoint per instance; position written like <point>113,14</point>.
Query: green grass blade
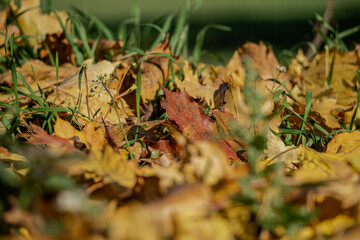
<point>137,18</point>
<point>306,112</point>
<point>180,25</point>
<point>182,42</point>
<point>200,40</point>
<point>351,124</point>
<point>99,25</point>
<point>79,58</point>
<point>57,76</point>
<point>331,70</point>
<point>165,29</point>
<point>14,75</point>
<point>33,96</point>
<point>83,36</point>
<point>348,32</point>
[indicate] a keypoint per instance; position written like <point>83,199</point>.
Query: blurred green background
<point>282,23</point>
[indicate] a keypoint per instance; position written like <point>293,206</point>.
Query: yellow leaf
<point>316,166</point>
<point>337,224</point>
<point>99,99</point>
<point>33,22</point>
<point>108,166</point>
<point>315,78</point>
<point>194,88</point>
<point>90,136</point>
<point>208,162</point>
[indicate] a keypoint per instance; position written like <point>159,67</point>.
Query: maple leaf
<point>192,120</point>
<point>196,125</point>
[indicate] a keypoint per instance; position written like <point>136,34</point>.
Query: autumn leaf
<point>45,75</point>
<point>99,100</point>
<point>92,138</point>
<point>107,166</point>
<point>193,121</point>
<point>343,75</point>
<point>191,84</point>
<point>263,60</point>
<point>196,125</point>
<point>39,136</point>
<point>11,29</point>
<point>35,23</point>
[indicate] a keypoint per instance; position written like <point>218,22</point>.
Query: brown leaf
<point>45,75</point>
<point>263,61</point>
<point>154,71</point>
<point>57,43</point>
<point>99,98</point>
<point>233,70</point>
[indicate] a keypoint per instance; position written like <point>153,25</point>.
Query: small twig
<point>318,40</point>
<point>87,92</point>
<point>278,155</point>
<point>118,115</point>
<point>117,95</point>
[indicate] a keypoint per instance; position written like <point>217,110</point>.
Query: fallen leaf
<point>208,162</point>
<point>33,22</point>
<point>193,121</point>
<point>154,71</point>
<point>58,44</point>
<point>107,166</point>
<point>263,60</point>
<point>344,78</point>
<point>194,88</point>
<point>10,28</point>
<point>40,137</point>
<point>99,99</point>
<point>45,75</point>
<point>196,125</point>
<point>233,70</point>
<point>93,138</point>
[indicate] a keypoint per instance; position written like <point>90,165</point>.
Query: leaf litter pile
<point>101,140</point>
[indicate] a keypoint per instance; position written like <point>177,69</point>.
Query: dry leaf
<point>11,29</point>
<point>344,77</point>
<point>193,87</point>
<point>93,138</point>
<point>108,167</point>
<point>196,125</point>
<point>33,22</point>
<point>263,60</point>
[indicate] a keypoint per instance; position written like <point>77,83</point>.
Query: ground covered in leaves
<point>103,142</point>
